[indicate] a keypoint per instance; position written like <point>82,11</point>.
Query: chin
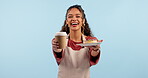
<point>75,29</point>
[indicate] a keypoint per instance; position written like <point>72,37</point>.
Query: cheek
<point>68,21</point>
<point>81,22</point>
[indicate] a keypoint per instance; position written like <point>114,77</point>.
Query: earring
<point>84,24</point>
<point>65,25</point>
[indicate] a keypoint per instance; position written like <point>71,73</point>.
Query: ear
<point>67,22</point>
<point>83,21</point>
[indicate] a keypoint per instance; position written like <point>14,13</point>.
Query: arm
<point>58,53</point>
<point>94,52</point>
<point>94,56</point>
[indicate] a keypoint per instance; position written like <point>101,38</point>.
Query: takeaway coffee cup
<point>61,38</point>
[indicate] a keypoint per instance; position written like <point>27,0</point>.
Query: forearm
<point>58,54</point>
<point>94,57</point>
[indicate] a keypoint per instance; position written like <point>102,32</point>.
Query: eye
<point>78,16</point>
<point>70,16</point>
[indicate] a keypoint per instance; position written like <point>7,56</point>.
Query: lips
<point>74,24</point>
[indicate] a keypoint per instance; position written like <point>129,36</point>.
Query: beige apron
<point>75,63</point>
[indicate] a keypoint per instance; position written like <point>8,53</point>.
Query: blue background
<point>28,26</point>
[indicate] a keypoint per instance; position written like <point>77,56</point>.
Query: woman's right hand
<point>55,46</point>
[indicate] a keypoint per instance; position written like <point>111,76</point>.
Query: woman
<point>75,61</point>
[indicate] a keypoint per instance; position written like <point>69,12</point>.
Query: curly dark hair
<point>85,29</point>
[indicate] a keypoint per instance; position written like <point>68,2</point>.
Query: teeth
<point>74,23</point>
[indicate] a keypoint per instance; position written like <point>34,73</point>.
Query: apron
<point>75,63</point>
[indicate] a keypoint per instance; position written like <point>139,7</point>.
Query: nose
<point>74,18</point>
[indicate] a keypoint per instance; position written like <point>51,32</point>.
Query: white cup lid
<point>61,34</point>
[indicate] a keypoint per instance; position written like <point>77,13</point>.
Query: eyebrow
<point>75,14</point>
<point>78,14</point>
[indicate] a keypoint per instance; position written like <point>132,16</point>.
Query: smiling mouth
<point>74,24</point>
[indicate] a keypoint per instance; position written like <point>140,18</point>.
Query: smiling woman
<point>74,18</point>
<point>75,61</point>
<point>78,13</point>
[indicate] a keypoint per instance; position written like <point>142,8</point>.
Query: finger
<point>55,43</point>
<point>55,47</point>
<point>93,47</point>
<point>96,47</point>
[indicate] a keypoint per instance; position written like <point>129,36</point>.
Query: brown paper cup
<point>61,38</point>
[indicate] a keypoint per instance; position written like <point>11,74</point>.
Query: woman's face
<point>74,19</point>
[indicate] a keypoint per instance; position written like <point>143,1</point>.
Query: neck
<point>75,36</point>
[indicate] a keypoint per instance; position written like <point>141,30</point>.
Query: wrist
<point>58,50</point>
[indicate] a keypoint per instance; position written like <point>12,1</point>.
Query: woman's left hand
<point>95,50</point>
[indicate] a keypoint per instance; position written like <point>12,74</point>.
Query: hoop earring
<point>84,24</point>
<point>65,25</point>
